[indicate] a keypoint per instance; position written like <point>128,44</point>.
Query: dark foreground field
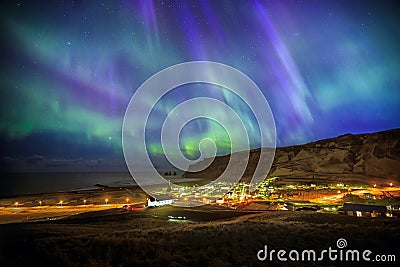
<point>208,237</point>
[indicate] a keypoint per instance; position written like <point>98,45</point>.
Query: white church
<point>160,200</point>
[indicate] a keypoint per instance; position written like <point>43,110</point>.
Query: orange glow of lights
<point>106,200</point>
<point>16,204</point>
<point>127,200</point>
<point>391,184</point>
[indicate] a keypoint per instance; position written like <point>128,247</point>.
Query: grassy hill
<point>373,157</point>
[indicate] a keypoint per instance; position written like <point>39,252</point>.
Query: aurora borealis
<point>69,69</point>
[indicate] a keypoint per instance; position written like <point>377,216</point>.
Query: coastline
<point>50,206</point>
<point>28,184</point>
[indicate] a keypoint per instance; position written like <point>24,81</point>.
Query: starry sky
<point>69,69</point>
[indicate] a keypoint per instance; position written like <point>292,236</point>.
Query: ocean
<point>13,184</point>
<point>16,184</point>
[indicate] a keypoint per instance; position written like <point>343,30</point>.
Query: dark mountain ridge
<point>359,157</point>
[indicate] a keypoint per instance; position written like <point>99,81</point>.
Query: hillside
<point>356,157</point>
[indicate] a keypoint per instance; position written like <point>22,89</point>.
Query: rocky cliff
<point>373,156</point>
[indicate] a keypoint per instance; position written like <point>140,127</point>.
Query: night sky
<point>69,69</point>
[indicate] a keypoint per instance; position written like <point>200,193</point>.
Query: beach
<point>51,206</point>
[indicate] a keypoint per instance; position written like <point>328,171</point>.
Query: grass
<point>129,240</point>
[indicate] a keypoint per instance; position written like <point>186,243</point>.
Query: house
<point>364,210</point>
<point>160,200</point>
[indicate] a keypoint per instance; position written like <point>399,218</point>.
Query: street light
<point>127,200</point>
<point>106,200</point>
<point>84,202</point>
<point>40,203</point>
<point>60,203</point>
<point>16,204</point>
<point>391,184</point>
